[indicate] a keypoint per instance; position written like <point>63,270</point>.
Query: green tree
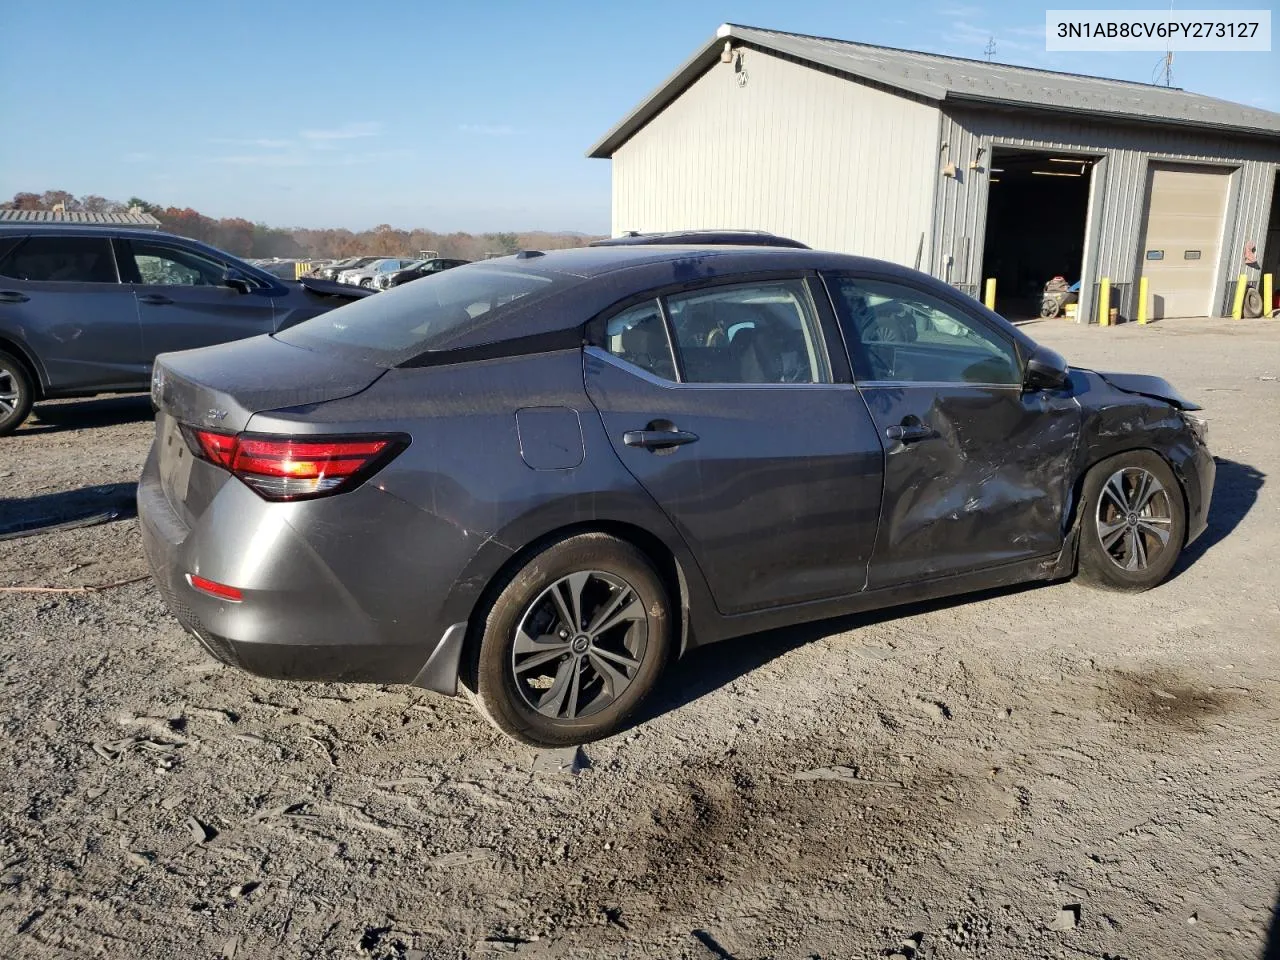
<point>506,242</point>
<point>145,206</point>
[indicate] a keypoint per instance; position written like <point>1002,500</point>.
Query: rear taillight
<point>288,468</point>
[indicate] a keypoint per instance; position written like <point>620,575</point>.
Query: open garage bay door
<point>1183,231</point>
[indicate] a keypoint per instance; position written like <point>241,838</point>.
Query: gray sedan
<point>539,479</point>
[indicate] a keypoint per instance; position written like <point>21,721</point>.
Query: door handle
<point>156,299</point>
<point>13,296</point>
<point>908,432</point>
<point>658,439</point>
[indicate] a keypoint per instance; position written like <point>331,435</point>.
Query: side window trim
<point>950,300</point>
<point>122,250</point>
<point>676,358</point>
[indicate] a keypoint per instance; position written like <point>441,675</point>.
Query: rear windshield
<point>428,314</point>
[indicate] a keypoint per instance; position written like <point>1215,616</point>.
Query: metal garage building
<point>965,168</point>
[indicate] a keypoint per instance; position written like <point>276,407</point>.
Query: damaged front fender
<point>1157,388</point>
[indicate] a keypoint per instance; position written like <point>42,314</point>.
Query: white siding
<point>833,162</point>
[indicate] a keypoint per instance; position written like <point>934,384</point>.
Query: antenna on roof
<point>1164,68</point>
<point>990,48</point>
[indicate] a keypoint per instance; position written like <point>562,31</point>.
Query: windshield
<point>428,314</point>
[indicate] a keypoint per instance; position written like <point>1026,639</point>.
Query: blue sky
<point>452,116</point>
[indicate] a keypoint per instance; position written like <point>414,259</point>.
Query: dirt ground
<point>1042,772</point>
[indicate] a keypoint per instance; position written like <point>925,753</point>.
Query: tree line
<point>245,238</point>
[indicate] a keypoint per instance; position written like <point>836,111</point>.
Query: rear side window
<point>764,332</point>
<point>6,247</point>
<point>62,260</point>
<point>428,314</point>
<point>639,336</point>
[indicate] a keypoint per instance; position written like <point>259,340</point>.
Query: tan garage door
<point>1185,207</point>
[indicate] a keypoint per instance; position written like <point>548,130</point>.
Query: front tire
<point>573,642</point>
<point>1134,523</point>
<point>17,393</point>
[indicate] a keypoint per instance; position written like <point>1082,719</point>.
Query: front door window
<point>162,265</point>
<point>900,334</point>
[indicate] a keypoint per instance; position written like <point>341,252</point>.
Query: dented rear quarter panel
<point>468,472</point>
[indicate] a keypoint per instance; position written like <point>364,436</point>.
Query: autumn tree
<point>239,236</point>
<point>25,201</point>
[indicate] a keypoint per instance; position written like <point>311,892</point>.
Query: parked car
<point>416,271</point>
<point>331,271</point>
<point>363,276</point>
<point>544,477</point>
<point>85,310</point>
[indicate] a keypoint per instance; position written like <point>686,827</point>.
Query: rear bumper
<point>298,620</point>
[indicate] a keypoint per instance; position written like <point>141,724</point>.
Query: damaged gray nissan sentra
<point>541,478</point>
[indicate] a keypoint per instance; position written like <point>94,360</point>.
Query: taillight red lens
<point>286,468</point>
<point>217,448</point>
<point>304,460</point>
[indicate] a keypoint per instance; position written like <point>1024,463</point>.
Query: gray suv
<point>85,310</point>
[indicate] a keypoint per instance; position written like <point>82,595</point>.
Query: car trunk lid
<point>221,387</point>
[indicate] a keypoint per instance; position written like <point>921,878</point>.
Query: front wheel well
<point>1071,530</point>
<point>673,577</point>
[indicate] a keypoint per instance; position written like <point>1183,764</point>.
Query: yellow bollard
<point>1237,308</point>
<point>1104,302</point>
<point>1142,300</point>
<point>1267,295</point>
<point>990,298</point>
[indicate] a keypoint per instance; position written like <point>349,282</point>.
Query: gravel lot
<point>1043,772</point>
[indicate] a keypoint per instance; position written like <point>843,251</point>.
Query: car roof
<point>56,229</point>
<point>750,238</point>
<point>704,259</point>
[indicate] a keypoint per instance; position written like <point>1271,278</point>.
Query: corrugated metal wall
<point>959,227</point>
<point>789,148</point>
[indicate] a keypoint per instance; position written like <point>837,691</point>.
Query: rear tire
<point>17,393</point>
<point>1134,522</point>
<point>544,679</point>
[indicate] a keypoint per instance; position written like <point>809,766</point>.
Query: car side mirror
<point>1046,370</point>
<point>236,280</point>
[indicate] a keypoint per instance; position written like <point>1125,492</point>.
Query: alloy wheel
<point>9,394</point>
<point>1134,518</point>
<point>579,645</point>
